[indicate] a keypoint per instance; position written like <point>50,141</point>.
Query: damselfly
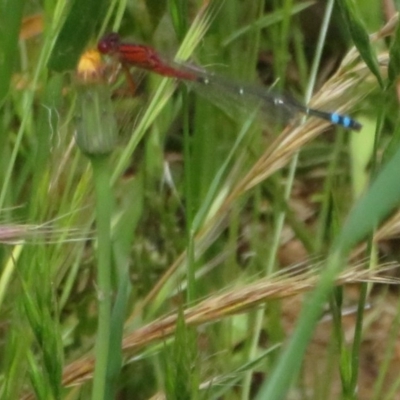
<point>269,101</point>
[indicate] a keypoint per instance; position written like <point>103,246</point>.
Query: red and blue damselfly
<point>273,103</point>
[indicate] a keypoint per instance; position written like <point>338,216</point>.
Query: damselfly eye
<point>109,43</point>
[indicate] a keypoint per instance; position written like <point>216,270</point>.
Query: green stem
<point>190,264</point>
<point>103,217</point>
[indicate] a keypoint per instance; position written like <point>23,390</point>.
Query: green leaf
<point>266,21</point>
<point>394,58</point>
<point>178,12</point>
<point>360,36</point>
<point>78,28</point>
<point>374,206</point>
<point>10,22</point>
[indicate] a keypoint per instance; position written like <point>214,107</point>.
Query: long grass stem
<point>104,197</point>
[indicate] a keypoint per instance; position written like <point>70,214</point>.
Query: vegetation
<point>161,244</point>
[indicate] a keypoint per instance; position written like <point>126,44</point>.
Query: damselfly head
<point>109,43</point>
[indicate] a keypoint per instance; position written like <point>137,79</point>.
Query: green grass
<point>152,244</point>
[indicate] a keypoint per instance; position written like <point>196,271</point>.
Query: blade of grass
<point>124,235</point>
<point>360,36</point>
<point>394,58</point>
<point>10,22</point>
<point>265,21</point>
<point>78,28</point>
<point>372,208</point>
